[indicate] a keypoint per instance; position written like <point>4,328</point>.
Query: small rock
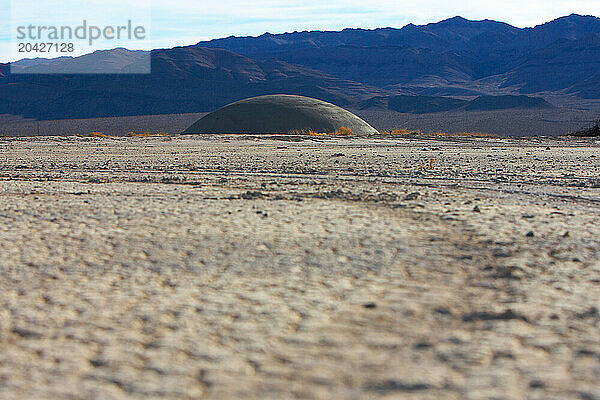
<point>536,384</point>
<point>26,333</point>
<point>492,316</point>
<point>422,345</point>
<point>443,311</point>
<point>370,305</point>
<point>250,195</point>
<point>412,196</point>
<point>508,272</point>
<point>476,209</point>
<point>530,234</point>
<point>592,312</point>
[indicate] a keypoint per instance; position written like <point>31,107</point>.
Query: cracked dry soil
<point>259,268</point>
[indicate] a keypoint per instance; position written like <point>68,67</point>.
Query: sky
<point>184,22</point>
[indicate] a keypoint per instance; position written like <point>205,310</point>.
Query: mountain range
<point>352,68</point>
<point>560,56</point>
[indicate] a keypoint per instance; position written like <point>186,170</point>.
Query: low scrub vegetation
<point>343,131</point>
<point>400,132</point>
<point>147,134</point>
<point>593,131</point>
<point>98,135</point>
<point>130,134</point>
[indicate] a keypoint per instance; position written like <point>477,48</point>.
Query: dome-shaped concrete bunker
<point>280,114</point>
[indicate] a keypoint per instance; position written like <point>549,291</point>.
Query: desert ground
<point>225,267</point>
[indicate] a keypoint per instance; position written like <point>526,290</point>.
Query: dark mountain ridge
<point>456,50</point>
<point>451,34</point>
<point>455,57</point>
<point>183,79</point>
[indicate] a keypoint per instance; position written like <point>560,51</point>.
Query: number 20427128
<point>46,47</point>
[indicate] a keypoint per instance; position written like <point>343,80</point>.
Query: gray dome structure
<point>280,114</point>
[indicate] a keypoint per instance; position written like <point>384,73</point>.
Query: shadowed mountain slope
<point>455,57</point>
<point>183,79</point>
<point>432,104</point>
<point>424,104</point>
<point>490,103</point>
<point>457,52</point>
<point>562,66</point>
<point>100,62</point>
<point>454,33</point>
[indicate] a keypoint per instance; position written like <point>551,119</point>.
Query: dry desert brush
<point>592,131</point>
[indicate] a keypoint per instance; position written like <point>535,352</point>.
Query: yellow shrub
<point>440,134</point>
<point>98,134</point>
<point>476,134</point>
<point>343,131</point>
<point>147,134</point>
<point>400,132</point>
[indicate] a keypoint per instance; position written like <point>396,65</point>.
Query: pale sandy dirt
<point>227,267</point>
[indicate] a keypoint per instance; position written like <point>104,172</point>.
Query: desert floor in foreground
<point>239,267</point>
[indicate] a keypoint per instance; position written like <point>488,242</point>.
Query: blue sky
<point>183,22</point>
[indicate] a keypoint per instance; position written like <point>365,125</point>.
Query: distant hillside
<point>424,104</point>
<point>354,68</point>
<point>486,57</point>
<point>429,104</point>
<point>562,66</point>
<point>455,33</point>
<point>490,103</point>
<point>113,61</point>
<point>183,79</point>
